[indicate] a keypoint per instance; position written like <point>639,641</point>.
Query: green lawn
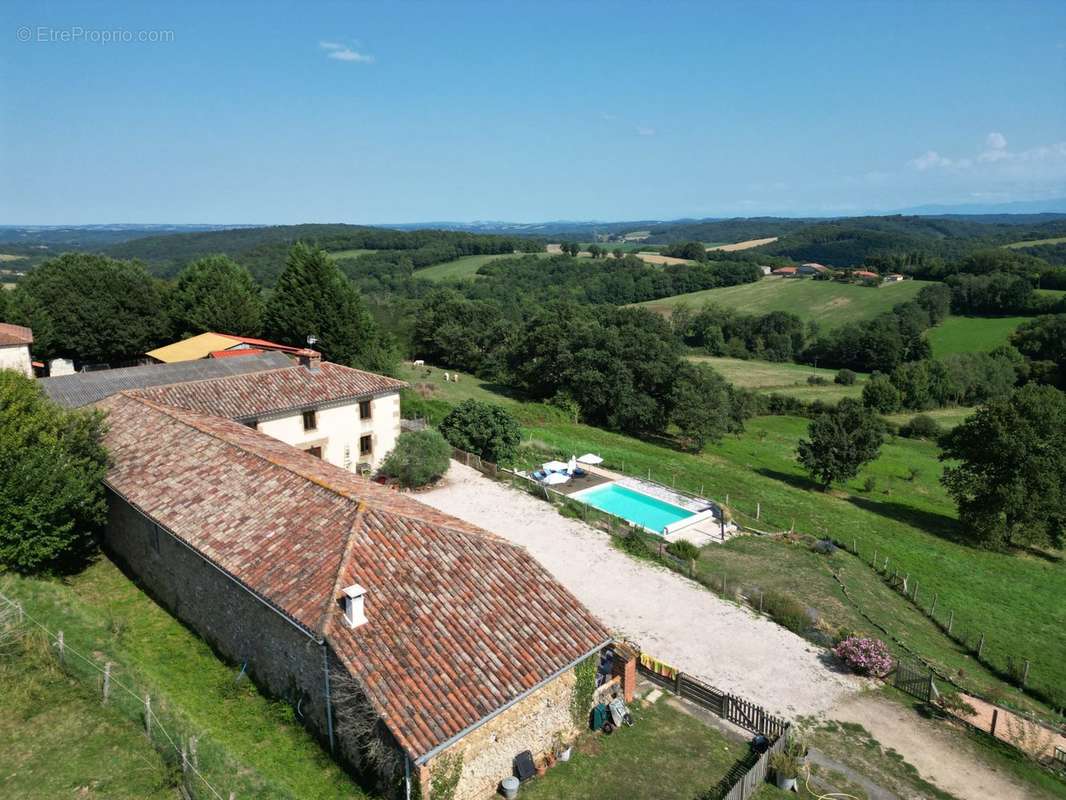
<point>667,754</point>
<point>1036,242</point>
<point>829,303</point>
<point>58,741</point>
<point>945,417</point>
<point>351,253</point>
<point>971,334</point>
<point>1009,598</point>
<point>249,744</point>
<point>462,268</point>
<point>781,378</point>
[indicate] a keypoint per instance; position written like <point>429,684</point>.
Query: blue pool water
<point>636,507</point>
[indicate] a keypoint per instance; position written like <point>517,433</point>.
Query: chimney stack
<point>354,608</point>
<point>310,359</point>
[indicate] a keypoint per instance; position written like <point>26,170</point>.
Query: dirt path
<point>939,754</point>
<point>674,619</point>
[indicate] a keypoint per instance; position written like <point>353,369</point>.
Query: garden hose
<point>827,796</point>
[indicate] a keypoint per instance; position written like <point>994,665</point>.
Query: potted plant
<point>560,748</point>
<point>786,770</point>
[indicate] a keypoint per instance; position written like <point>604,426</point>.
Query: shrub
<point>632,544</point>
<point>52,466</point>
<point>686,551</point>
<point>419,458</point>
<point>784,765</point>
<point>870,484</point>
<point>786,611</point>
<point>845,377</point>
<point>816,380</point>
<point>866,656</point>
<point>921,426</point>
<point>956,704</point>
<point>484,429</point>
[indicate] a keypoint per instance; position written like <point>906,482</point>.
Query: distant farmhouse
<point>15,342</point>
<point>418,647</point>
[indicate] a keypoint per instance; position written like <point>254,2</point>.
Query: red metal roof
<point>261,343</point>
<point>14,334</point>
<point>244,351</point>
<point>865,273</point>
<point>784,270</point>
<point>460,622</point>
<point>259,393</point>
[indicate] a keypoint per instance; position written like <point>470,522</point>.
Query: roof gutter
<point>301,628</point>
<point>422,759</point>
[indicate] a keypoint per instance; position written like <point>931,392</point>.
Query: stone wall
<point>531,724</point>
<point>280,657</point>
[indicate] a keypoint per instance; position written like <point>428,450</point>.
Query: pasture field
<point>905,515</point>
<point>781,378</point>
<point>659,259</point>
<point>5,257</point>
<point>828,303</point>
<point>750,243</point>
<point>351,253</point>
<point>249,743</point>
<point>945,417</point>
<point>1035,242</point>
<point>971,334</point>
<point>465,267</point>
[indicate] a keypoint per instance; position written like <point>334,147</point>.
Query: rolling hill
<point>828,303</point>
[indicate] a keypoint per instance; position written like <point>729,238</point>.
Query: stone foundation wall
<point>531,724</point>
<point>282,659</point>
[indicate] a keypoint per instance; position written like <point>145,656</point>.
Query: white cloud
<point>930,159</point>
<point>348,54</point>
<point>644,130</point>
<point>996,141</point>
<point>342,52</point>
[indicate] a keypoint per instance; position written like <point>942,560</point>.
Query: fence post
<point>874,562</point>
<point>995,716</point>
<point>932,609</point>
<point>760,600</point>
<point>981,645</point>
<point>18,606</point>
<point>951,620</point>
<point>148,715</point>
<point>677,683</point>
<point>914,597</point>
<point>62,647</point>
<point>1025,674</point>
<point>758,510</point>
<point>107,681</point>
<point>184,757</point>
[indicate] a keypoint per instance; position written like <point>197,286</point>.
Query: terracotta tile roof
<point>263,343</point>
<point>273,391</point>
<point>14,334</point>
<point>784,270</point>
<point>83,388</point>
<point>461,622</point>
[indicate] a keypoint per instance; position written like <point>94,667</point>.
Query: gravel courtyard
<point>672,618</point>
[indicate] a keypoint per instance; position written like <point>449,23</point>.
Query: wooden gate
<point>915,680</point>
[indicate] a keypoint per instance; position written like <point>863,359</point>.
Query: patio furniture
<point>555,478</point>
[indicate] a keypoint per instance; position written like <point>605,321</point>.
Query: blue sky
<point>277,112</point>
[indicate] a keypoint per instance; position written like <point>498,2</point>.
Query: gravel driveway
<point>674,619</point>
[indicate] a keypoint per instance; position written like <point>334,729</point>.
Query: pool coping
<point>667,529</point>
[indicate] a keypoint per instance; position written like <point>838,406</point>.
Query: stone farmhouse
<point>417,646</point>
<point>346,416</point>
<point>15,342</point>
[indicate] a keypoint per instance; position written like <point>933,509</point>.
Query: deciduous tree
<point>841,441</point>
<point>419,458</point>
<point>52,465</point>
<point>484,429</point>
<point>1008,483</point>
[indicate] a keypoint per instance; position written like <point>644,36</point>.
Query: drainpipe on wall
<point>329,701</point>
<point>407,775</point>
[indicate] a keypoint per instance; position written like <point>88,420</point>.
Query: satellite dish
<point>311,341</point>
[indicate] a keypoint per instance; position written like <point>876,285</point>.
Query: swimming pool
<point>632,506</point>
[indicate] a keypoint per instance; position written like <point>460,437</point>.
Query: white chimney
<point>354,609</point>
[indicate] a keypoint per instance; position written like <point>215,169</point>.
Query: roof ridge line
<point>325,626</point>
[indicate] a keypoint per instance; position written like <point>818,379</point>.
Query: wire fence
<point>200,761</point>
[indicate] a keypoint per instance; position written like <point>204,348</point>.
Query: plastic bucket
<point>510,788</point>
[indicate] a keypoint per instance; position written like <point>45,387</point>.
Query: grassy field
<point>829,303</point>
<point>906,517</point>
<point>667,754</point>
<point>781,378</point>
<point>746,245</point>
<point>58,741</point>
<point>462,268</point>
<point>971,334</point>
<point>249,744</point>
<point>351,253</point>
<point>1036,242</point>
<point>945,417</point>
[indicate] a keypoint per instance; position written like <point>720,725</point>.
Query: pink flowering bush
<point>865,656</point>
